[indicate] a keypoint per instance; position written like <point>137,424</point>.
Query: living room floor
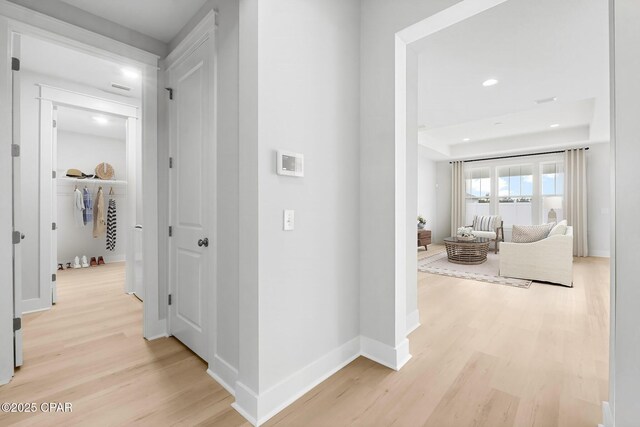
<point>484,355</point>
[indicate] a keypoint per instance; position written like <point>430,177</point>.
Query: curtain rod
<point>519,155</point>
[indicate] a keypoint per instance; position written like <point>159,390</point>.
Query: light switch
<point>289,220</point>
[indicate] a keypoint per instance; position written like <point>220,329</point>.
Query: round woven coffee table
<point>467,251</point>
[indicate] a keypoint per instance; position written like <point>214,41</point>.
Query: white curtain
<point>457,196</point>
<point>575,198</point>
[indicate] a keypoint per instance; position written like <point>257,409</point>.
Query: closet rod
<point>519,155</point>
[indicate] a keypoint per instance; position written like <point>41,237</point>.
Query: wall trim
<point>607,415</point>
<point>157,337</point>
<point>33,305</point>
<point>25,303</point>
<point>43,25</point>
<point>391,357</point>
<point>258,409</point>
<point>224,374</point>
<point>599,254</point>
<point>246,403</point>
<point>413,321</point>
<point>192,41</point>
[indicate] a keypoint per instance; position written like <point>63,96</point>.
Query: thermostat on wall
<point>290,164</point>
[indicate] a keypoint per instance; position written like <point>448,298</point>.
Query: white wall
<point>225,362</point>
<point>599,199</point>
<point>30,176</point>
<point>84,152</point>
<point>427,189</point>
<point>380,20</point>
<point>624,365</point>
<point>307,284</point>
<point>308,103</point>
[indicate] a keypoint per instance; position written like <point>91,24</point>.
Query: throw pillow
<point>559,229</point>
<point>484,223</point>
<point>529,233</point>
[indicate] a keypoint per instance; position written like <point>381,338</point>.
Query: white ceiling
<point>82,121</point>
<point>160,19</point>
<point>77,68</point>
<point>536,49</point>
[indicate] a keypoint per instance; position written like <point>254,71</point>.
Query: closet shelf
<point>66,179</point>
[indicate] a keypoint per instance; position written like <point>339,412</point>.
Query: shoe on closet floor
<point>93,262</point>
<point>60,267</point>
<point>76,262</point>
<point>85,263</point>
<point>100,260</point>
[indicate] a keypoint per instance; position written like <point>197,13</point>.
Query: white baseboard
<point>413,321</point>
<point>115,258</point>
<point>36,304</point>
<point>259,409</point>
<point>225,374</point>
<point>157,337</point>
<point>394,358</point>
<point>246,403</point>
<point>36,310</point>
<point>607,416</point>
<point>600,254</point>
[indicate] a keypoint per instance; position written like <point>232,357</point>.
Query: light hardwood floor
<point>485,355</point>
<point>89,350</point>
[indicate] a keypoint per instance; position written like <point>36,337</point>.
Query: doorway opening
<point>492,98</point>
<point>79,132</point>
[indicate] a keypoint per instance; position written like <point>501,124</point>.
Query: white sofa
<point>547,260</point>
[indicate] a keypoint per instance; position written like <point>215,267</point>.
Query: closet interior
<point>91,190</point>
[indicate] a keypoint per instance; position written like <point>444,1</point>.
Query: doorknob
<point>204,242</point>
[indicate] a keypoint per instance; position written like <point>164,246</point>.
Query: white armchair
<point>547,260</point>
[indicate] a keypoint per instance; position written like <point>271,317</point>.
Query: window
<point>478,193</point>
<point>552,185</point>
<point>515,193</point>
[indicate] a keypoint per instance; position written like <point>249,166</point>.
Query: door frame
<point>17,19</point>
<point>50,99</point>
<point>203,31</point>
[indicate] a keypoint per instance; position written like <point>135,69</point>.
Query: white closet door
<point>16,201</point>
<point>192,221</point>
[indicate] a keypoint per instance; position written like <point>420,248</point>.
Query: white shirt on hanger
<point>78,207</point>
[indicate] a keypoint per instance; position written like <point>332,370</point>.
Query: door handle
<point>204,242</point>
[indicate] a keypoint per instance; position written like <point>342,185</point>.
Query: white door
<point>191,251</point>
<point>16,201</point>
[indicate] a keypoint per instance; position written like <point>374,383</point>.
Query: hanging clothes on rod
<point>87,212</point>
<point>111,223</point>
<point>78,207</point>
<point>99,224</point>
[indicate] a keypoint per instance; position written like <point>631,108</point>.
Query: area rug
<point>488,271</point>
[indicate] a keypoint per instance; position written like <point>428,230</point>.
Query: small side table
<point>424,238</point>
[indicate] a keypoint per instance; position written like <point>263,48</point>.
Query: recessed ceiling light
<point>466,139</point>
<point>130,73</point>
<point>555,125</point>
<point>489,82</point>
<point>101,120</point>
